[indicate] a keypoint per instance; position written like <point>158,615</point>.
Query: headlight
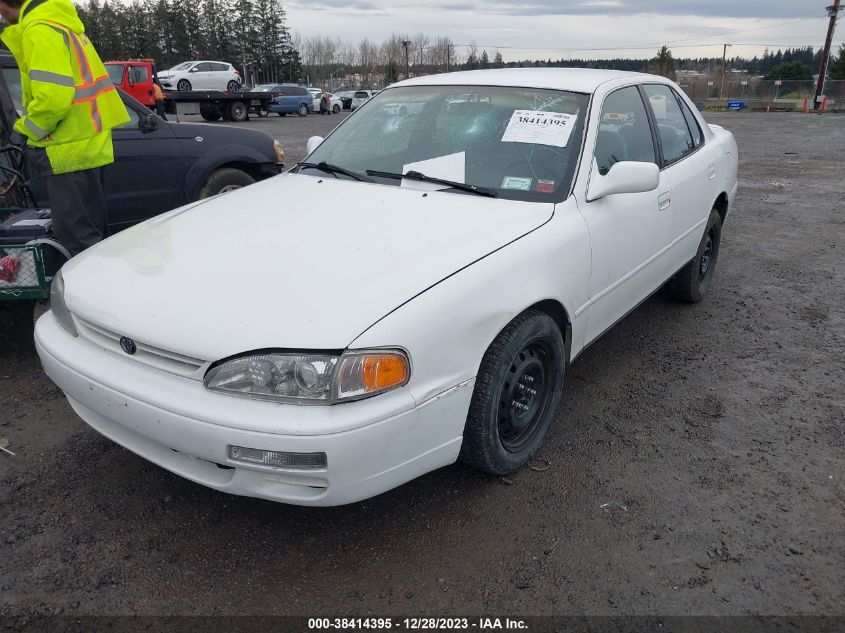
<point>311,378</point>
<point>57,304</point>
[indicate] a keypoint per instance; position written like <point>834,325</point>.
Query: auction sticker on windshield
<point>539,128</point>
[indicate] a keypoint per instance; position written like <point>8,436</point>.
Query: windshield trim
<point>563,194</point>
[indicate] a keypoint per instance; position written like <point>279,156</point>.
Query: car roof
<point>574,79</point>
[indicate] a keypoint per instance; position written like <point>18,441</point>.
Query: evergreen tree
<point>790,70</point>
<point>837,66</point>
<point>663,64</point>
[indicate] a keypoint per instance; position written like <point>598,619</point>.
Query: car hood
<point>291,262</point>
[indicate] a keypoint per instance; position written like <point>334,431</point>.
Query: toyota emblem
<point>128,345</point>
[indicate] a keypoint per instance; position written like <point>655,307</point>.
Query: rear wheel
<point>183,86</point>
<point>690,284</point>
<point>303,110</point>
<point>262,113</point>
<point>238,111</point>
<point>223,180</point>
<point>233,86</point>
<point>516,394</point>
<point>336,108</point>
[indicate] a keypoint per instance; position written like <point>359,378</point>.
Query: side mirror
<point>623,177</point>
<point>312,144</point>
<point>193,70</point>
<point>149,123</point>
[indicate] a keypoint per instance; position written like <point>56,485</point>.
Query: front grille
<point>147,354</point>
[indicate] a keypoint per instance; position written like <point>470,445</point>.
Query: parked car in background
<point>392,326</point>
<point>360,97</point>
<point>201,75</point>
<point>335,103</point>
<point>292,99</point>
<point>274,88</point>
<point>346,98</point>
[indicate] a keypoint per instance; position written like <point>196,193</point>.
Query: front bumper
<point>371,445</point>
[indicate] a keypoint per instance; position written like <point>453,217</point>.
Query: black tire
<point>210,115</point>
<point>516,394</point>
<point>690,284</point>
<point>225,179</point>
<point>303,110</point>
<point>233,86</point>
<point>262,113</point>
<point>282,113</point>
<point>336,108</point>
<point>238,111</point>
<point>183,86</point>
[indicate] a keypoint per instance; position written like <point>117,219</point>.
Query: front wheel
<point>303,110</point>
<point>183,86</point>
<point>224,180</point>
<point>517,391</point>
<point>690,284</point>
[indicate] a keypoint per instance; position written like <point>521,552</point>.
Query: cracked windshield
<point>516,143</point>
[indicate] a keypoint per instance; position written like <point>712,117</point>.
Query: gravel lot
<point>696,465</point>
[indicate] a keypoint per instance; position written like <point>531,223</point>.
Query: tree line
<point>251,34</point>
<point>255,37</point>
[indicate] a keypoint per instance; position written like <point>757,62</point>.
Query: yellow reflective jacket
<point>70,104</point>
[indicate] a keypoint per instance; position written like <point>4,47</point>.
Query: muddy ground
<point>696,465</point>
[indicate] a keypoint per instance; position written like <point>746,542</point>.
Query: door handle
<point>664,201</point>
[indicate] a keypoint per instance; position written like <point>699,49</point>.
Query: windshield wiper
<point>415,175</point>
<point>336,169</point>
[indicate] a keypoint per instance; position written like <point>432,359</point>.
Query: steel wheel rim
<point>525,395</point>
<point>705,266</point>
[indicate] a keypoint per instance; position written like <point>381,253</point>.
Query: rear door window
<point>692,122</point>
<point>675,137</point>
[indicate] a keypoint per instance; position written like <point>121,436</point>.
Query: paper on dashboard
<point>539,128</point>
<point>450,167</point>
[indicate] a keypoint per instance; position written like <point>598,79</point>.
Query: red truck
<point>135,77</point>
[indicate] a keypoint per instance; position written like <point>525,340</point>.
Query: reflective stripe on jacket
<point>70,104</point>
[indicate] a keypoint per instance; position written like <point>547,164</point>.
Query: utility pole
<point>833,12</point>
<point>406,44</point>
<point>724,68</point>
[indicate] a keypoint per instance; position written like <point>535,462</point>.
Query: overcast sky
<point>566,28</point>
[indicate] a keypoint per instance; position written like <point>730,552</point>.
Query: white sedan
<point>319,354</point>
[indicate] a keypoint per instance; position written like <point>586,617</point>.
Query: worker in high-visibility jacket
<point>69,109</point>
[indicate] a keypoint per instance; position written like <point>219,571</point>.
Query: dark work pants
<point>77,203</point>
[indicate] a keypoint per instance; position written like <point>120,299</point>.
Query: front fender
<point>217,157</point>
<point>447,328</point>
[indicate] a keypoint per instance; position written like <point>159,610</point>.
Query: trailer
<point>212,105</point>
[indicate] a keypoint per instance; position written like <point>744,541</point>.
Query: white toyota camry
<point>275,344</point>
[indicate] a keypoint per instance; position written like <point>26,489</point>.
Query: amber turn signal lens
<point>381,371</point>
